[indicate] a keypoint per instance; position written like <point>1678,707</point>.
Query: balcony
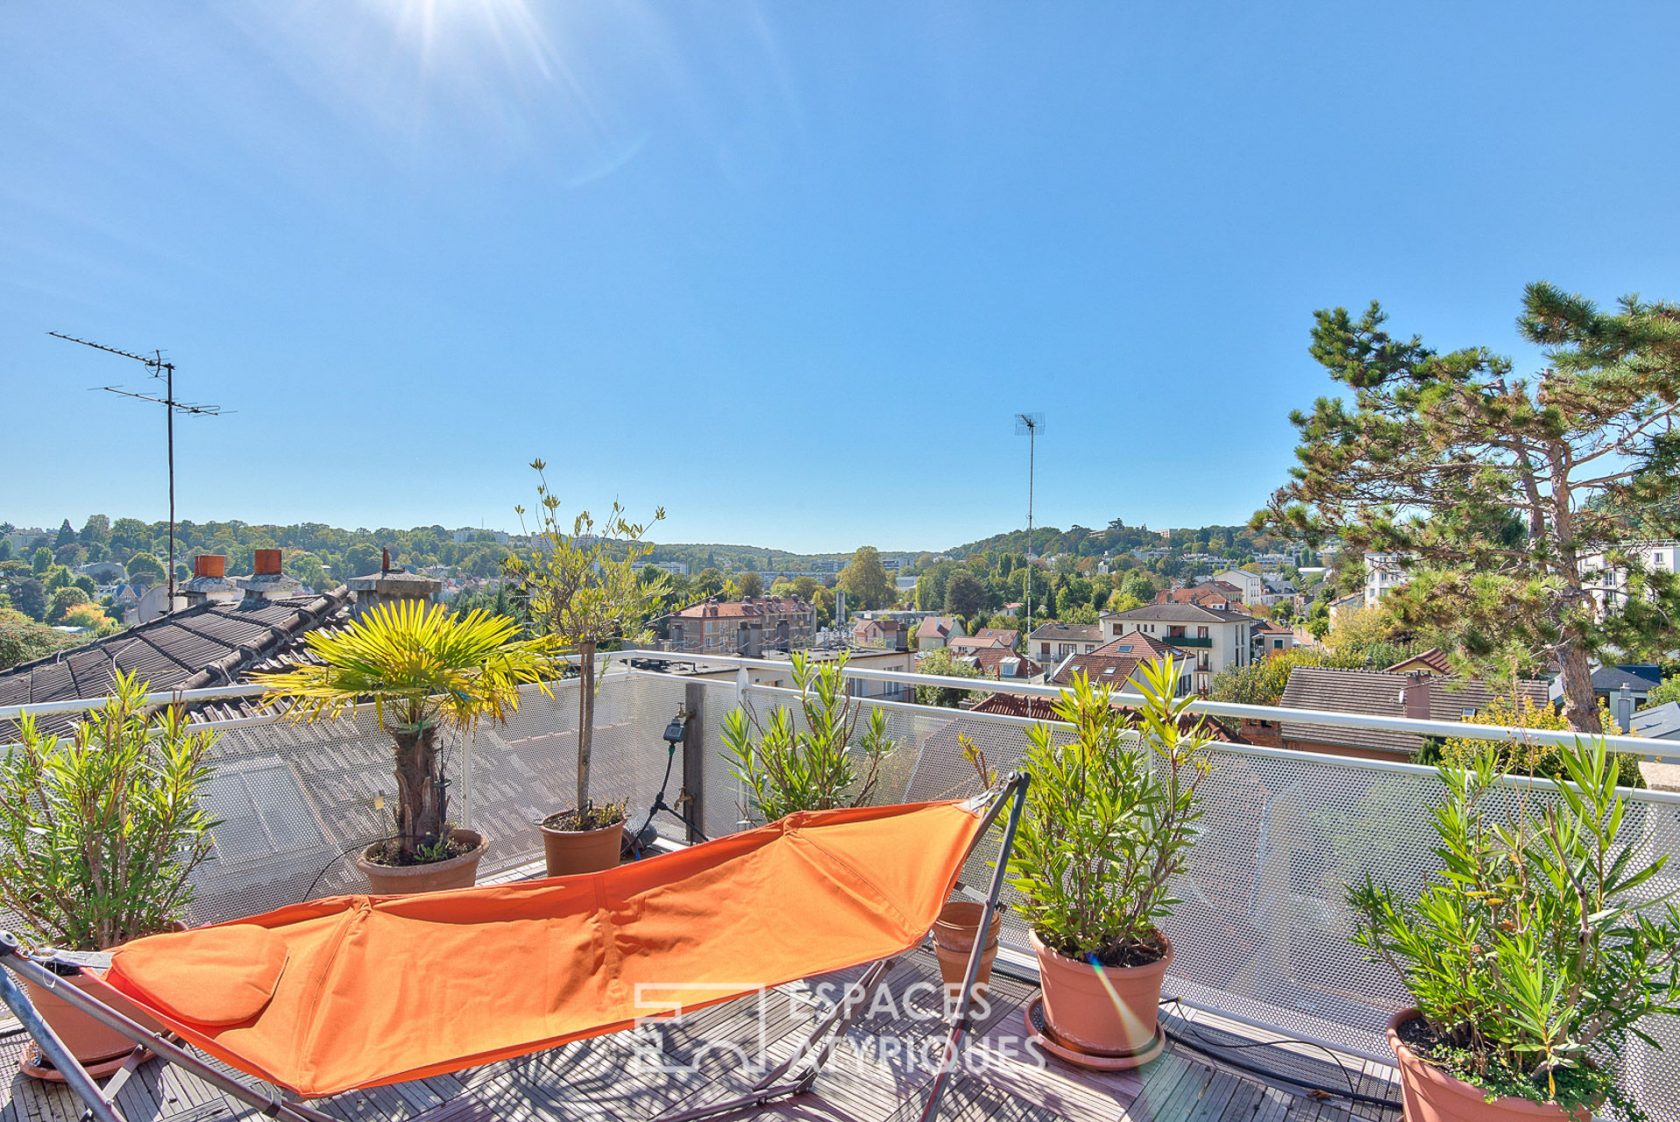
<point>1187,640</point>
<point>1262,936</point>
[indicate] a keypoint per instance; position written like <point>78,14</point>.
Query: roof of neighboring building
<point>211,644</point>
<point>1272,626</point>
<point>1640,678</point>
<point>1200,594</point>
<point>1009,635</point>
<point>1113,663</point>
<point>1660,723</point>
<point>1378,694</point>
<point>992,662</point>
<point>1181,613</point>
<point>977,642</point>
<point>1044,709</point>
<point>882,625</point>
<point>1086,632</point>
<point>937,627</point>
<point>1434,658</point>
<point>743,609</point>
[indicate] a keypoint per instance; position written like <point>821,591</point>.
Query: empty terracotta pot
<point>1103,1010</point>
<point>95,1045</point>
<point>568,852</point>
<point>434,876</point>
<point>954,935</point>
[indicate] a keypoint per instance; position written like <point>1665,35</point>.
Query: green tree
<point>942,663</point>
<point>23,639</point>
<point>749,584</point>
<point>143,568</point>
<point>40,561</point>
<point>865,581</point>
<point>66,535</point>
<point>582,589</point>
<point>965,595</point>
<point>1664,692</point>
<point>1263,682</point>
<point>62,601</point>
<point>96,531</point>
<point>29,596</point>
<point>1492,486</point>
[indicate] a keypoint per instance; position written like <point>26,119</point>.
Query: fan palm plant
<point>422,667</point>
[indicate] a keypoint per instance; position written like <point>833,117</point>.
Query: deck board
<point>627,1078</point>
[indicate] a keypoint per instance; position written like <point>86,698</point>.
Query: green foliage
<point>145,568</point>
<point>1664,692</point>
<point>62,600</point>
<point>1538,945</point>
<point>1495,488</point>
<point>1263,682</point>
<point>943,663</point>
<point>100,831</point>
<point>749,584</point>
<point>581,587</point>
<point>421,665</point>
<point>865,581</point>
<point>815,760</point>
<point>1522,756</point>
<point>965,595</point>
<point>1109,821</point>
<point>40,561</point>
<point>23,639</point>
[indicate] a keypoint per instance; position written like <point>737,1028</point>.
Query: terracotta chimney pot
<point>268,562</point>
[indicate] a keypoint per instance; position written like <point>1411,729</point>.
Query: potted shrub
<point>100,832</point>
<point>810,762</point>
<point>423,667</point>
<point>1532,954</point>
<point>1108,824</point>
<point>583,591</point>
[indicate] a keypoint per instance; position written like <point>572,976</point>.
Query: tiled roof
<point>1113,663</point>
<point>1639,678</point>
<point>743,609</point>
<point>1661,723</point>
<point>1378,694</point>
<point>1200,594</point>
<point>1080,632</point>
<point>1434,658</point>
<point>1008,635</point>
<point>978,643</point>
<point>1181,613</point>
<point>1044,709</point>
<point>936,627</point>
<point>990,661</point>
<point>211,644</point>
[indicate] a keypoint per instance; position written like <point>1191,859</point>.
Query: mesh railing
<point>1261,935</point>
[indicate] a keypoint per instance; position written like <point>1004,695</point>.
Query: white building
<point>1249,584</point>
<point>1384,572</point>
<point>1212,639</point>
<point>1608,584</point>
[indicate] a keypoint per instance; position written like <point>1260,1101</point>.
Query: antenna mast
<point>165,371</point>
<point>1030,424</point>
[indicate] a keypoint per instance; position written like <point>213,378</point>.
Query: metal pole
<point>76,1077</point>
<point>1032,467</point>
<point>274,1107</point>
<point>965,999</point>
<point>169,422</point>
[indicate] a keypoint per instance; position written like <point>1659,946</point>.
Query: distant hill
<point>1117,537</point>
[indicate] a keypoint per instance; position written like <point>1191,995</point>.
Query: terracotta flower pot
<point>456,872</point>
<point>99,1047</point>
<point>1103,1010</point>
<point>567,852</point>
<point>1430,1094</point>
<point>954,933</point>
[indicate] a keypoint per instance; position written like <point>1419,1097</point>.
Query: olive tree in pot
<point>100,832</point>
<point>583,591</point>
<point>1533,953</point>
<point>826,756</point>
<point>1108,823</point>
<point>423,668</point>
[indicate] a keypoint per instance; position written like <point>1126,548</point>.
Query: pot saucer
<point>1040,1034</point>
<point>36,1066</point>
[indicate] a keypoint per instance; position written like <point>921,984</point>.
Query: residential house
<point>1049,643</point>
<point>934,632</point>
<point>1637,679</point>
<point>1379,693</point>
<point>881,633</point>
<point>750,626</point>
<point>1210,639</point>
<point>1217,594</point>
<point>1000,663</point>
<point>1008,636</point>
<point>1434,661</point>
<point>1114,662</point>
<point>1271,639</point>
<point>1250,587</point>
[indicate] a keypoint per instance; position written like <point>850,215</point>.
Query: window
<point>1201,633</point>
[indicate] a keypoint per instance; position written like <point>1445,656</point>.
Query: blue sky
<point>785,269</point>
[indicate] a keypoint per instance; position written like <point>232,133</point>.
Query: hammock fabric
<point>359,991</point>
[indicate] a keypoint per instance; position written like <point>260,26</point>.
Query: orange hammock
<point>358,991</point>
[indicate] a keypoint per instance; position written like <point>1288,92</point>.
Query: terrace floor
<point>617,1078</point>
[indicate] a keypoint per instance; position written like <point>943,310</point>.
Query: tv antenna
<point>165,372</point>
<point>1030,425</point>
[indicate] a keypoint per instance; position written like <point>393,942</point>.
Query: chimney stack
<point>268,581</point>
<point>391,586</point>
<point>209,582</point>
<point>1415,696</point>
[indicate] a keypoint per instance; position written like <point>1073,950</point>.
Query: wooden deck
<point>631,1079</point>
